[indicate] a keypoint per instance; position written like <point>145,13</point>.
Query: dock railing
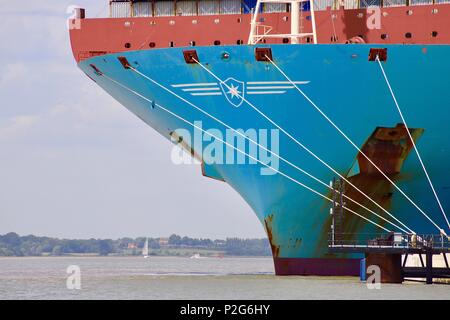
<point>397,241</point>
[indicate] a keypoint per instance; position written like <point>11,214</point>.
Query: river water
<point>184,278</point>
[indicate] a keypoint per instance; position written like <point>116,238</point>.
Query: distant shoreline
<point>14,245</point>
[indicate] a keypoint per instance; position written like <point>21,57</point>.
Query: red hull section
<point>316,267</point>
<point>426,24</point>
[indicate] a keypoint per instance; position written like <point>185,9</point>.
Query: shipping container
<point>208,7</point>
<point>370,3</point>
<point>186,8</point>
<point>120,9</point>
<point>394,3</point>
<point>320,5</point>
<point>164,8</point>
<point>248,5</point>
<point>420,2</point>
<point>275,7</point>
<point>351,4</point>
<point>230,6</point>
<point>142,9</point>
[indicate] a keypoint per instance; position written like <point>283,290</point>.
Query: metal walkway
<point>393,243</point>
<point>400,244</point>
<point>388,248</point>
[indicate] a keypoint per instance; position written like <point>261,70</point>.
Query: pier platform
<point>387,250</point>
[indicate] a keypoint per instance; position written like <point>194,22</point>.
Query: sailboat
<point>145,249</point>
<point>196,256</point>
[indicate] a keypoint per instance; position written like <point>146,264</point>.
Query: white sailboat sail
<point>145,249</point>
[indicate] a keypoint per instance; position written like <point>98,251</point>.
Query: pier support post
<point>390,266</point>
<point>429,266</point>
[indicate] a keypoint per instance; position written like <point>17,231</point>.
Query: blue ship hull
<point>350,89</point>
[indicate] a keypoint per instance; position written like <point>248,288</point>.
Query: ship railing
<point>262,31</point>
<point>143,8</point>
<point>389,240</point>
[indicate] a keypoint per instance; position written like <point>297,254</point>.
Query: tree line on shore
<point>11,244</point>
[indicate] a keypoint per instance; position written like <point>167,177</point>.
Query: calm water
<point>184,278</point>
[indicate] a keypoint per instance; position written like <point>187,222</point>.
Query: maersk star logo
<point>234,91</point>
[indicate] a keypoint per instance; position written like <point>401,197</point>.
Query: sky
<point>74,163</point>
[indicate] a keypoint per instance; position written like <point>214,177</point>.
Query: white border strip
<point>266,92</point>
<point>202,89</point>
<point>207,94</point>
<point>270,87</point>
<point>277,82</point>
<point>194,85</point>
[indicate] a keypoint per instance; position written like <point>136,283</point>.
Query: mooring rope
<point>242,152</point>
<point>352,143</point>
<point>303,146</point>
<point>267,150</point>
<point>412,141</point>
<point>334,27</point>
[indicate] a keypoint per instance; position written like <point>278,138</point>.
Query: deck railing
<point>390,240</point>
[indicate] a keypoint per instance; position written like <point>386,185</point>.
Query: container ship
<point>309,92</point>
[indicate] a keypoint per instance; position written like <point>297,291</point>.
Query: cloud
<point>13,73</point>
<point>16,127</point>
